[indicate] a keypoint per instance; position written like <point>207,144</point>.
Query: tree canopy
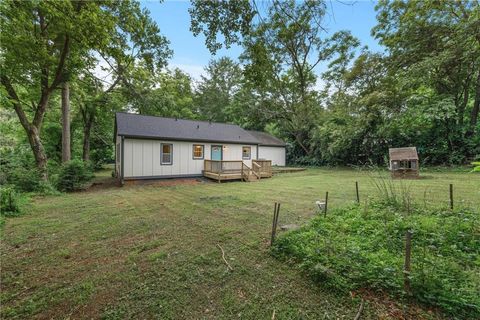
<point>423,91</point>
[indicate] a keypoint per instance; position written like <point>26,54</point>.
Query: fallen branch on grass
<point>360,309</point>
<point>223,257</point>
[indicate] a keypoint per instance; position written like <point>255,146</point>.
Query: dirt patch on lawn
<point>111,183</point>
<point>388,308</point>
<point>166,182</point>
<point>103,184</point>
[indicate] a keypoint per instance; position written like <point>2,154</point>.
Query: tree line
<point>423,91</point>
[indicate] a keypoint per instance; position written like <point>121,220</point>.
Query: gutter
<point>188,139</point>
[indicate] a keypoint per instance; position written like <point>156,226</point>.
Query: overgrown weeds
<point>9,201</point>
<point>393,193</point>
<point>364,247</point>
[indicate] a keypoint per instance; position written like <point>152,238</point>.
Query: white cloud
<point>194,70</point>
<point>102,70</point>
<point>320,84</point>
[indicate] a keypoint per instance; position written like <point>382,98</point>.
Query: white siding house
<point>142,158</point>
<point>270,148</point>
<point>149,147</point>
<point>276,154</point>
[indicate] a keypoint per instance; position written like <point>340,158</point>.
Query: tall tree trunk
<point>31,129</point>
<point>86,141</point>
<point>475,109</point>
<point>38,150</point>
<point>66,153</point>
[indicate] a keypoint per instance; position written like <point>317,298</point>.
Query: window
<point>198,151</point>
<point>166,153</point>
<point>413,164</point>
<point>246,153</point>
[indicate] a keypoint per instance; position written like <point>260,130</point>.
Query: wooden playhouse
<point>404,162</point>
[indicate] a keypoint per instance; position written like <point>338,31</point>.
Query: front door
<point>216,153</point>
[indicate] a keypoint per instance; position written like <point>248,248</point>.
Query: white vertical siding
<point>276,154</point>
<point>234,152</point>
<point>142,157</point>
<point>118,151</point>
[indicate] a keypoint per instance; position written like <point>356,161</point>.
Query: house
<point>270,147</point>
<point>403,162</point>
<point>148,147</point>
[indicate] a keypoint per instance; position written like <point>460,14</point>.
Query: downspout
<point>122,162</point>
<point>257,151</point>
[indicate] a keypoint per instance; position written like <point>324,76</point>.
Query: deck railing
<point>223,166</point>
<point>231,168</point>
<point>245,172</point>
<point>262,167</point>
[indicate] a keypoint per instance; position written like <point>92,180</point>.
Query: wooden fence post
<point>451,196</point>
<point>276,211</point>
<point>406,269</point>
<point>358,195</point>
<point>276,220</point>
<point>326,204</point>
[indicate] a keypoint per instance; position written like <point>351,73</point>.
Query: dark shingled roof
<point>265,139</point>
<point>408,153</point>
<point>140,126</point>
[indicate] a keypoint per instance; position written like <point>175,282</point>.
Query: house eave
<point>273,145</point>
<point>126,136</point>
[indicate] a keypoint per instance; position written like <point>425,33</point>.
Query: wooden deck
<point>223,170</point>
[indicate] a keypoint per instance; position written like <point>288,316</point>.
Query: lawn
<point>152,251</point>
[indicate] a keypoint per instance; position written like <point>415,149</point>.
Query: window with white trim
<point>198,150</point>
<point>166,153</point>
<point>246,153</point>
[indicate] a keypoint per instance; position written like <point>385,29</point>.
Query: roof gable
<point>141,126</point>
<point>407,153</point>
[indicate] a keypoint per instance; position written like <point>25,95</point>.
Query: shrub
<point>355,248</point>
<point>8,201</point>
<point>25,179</point>
<point>18,169</point>
<point>476,166</point>
<point>74,175</point>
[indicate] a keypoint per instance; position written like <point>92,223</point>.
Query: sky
<point>191,55</point>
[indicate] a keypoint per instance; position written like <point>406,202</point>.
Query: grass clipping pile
<point>363,247</point>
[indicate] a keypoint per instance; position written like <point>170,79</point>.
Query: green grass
<point>359,247</point>
<point>151,251</point>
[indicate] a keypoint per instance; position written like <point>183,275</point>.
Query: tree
<point>281,54</point>
<point>438,44</point>
<point>215,94</point>
<point>55,36</point>
<point>168,93</point>
<point>230,19</point>
<point>66,153</point>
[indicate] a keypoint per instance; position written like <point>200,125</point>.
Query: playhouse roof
<point>407,153</point>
